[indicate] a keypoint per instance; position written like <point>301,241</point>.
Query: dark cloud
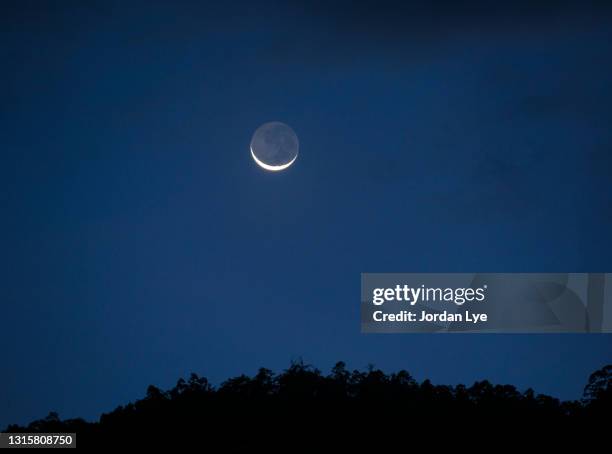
<point>409,17</point>
<point>391,25</point>
<point>367,32</point>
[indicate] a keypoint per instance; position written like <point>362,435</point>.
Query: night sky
<point>140,242</point>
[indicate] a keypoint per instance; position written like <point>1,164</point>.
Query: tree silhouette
<point>597,395</point>
<point>301,408</point>
<point>599,385</point>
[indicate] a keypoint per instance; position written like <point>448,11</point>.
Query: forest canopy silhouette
<point>304,404</point>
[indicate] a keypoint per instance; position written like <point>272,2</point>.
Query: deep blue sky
<point>140,242</point>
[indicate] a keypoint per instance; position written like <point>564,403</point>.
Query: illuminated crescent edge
<point>268,166</point>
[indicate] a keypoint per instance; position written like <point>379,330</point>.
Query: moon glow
<point>274,146</point>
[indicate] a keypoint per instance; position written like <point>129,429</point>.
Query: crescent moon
<point>268,166</point>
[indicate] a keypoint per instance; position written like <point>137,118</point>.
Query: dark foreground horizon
<point>348,409</point>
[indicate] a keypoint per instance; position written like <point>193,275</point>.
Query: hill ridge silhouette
<point>303,404</point>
